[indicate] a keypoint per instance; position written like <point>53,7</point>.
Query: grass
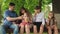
<point>32,33</point>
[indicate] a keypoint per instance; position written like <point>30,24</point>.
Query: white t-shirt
<point>39,18</point>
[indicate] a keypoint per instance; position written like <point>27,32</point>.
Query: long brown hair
<point>52,18</point>
<point>26,10</point>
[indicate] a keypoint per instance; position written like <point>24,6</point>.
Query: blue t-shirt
<point>11,14</point>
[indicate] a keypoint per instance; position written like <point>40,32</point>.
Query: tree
<point>29,4</point>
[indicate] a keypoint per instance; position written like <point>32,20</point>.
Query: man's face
<point>12,7</point>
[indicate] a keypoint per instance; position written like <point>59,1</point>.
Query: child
<point>38,20</point>
<point>25,21</point>
<point>51,23</point>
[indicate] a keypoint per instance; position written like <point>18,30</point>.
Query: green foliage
<point>29,4</point>
<point>45,7</point>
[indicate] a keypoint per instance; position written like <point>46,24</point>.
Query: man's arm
<point>7,16</point>
<point>13,19</point>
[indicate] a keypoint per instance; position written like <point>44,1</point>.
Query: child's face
<point>50,15</point>
<point>37,11</point>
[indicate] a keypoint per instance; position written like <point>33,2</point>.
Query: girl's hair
<point>53,17</point>
<point>26,10</point>
<point>37,7</point>
<point>20,12</point>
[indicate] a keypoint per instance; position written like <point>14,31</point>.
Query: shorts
<point>38,24</point>
<point>24,23</point>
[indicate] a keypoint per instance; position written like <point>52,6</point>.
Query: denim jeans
<point>13,26</point>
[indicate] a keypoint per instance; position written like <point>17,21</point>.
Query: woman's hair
<point>26,10</point>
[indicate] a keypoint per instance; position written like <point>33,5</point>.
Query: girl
<point>25,21</point>
<point>51,23</point>
<point>38,20</point>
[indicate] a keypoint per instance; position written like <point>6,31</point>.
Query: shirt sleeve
<point>43,19</point>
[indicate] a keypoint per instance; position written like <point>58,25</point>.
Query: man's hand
<point>13,19</point>
<point>20,17</point>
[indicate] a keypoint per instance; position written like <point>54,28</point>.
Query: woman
<point>38,20</point>
<point>51,23</point>
<point>25,21</point>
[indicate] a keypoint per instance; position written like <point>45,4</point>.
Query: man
<point>9,18</point>
<point>38,20</point>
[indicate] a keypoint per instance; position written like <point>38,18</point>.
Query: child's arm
<point>55,22</point>
<point>47,22</point>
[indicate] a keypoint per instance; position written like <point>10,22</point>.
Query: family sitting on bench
<point>25,18</point>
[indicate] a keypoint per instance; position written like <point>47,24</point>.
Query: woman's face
<point>50,15</point>
<point>23,11</point>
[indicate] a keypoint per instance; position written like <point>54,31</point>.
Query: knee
<point>41,28</point>
<point>48,27</point>
<point>34,27</point>
<point>16,27</point>
<point>22,26</point>
<point>26,26</point>
<point>55,28</point>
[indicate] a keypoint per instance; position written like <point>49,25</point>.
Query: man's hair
<point>11,4</point>
<point>37,7</point>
